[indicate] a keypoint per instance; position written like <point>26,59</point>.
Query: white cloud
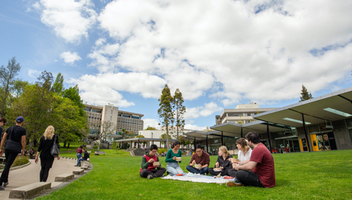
<point>104,87</point>
<point>204,111</point>
<point>194,127</point>
<point>151,122</point>
<point>258,50</point>
<point>33,73</point>
<point>70,19</point>
<point>70,57</point>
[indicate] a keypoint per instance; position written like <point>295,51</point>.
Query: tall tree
<point>151,128</point>
<point>7,77</point>
<point>179,110</point>
<point>58,86</point>
<point>73,94</point>
<point>107,128</point>
<point>165,110</point>
<point>305,95</point>
<point>19,86</point>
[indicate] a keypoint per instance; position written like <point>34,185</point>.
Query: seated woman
<point>172,165</point>
<point>223,163</point>
<point>244,154</point>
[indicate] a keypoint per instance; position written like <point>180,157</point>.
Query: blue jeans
<point>197,171</point>
<point>173,168</point>
<point>79,155</point>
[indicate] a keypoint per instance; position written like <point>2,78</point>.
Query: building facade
<point>131,122</point>
<point>241,114</point>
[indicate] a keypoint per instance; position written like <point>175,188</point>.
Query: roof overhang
<point>317,110</point>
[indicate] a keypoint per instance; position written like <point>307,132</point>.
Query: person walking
<point>79,155</point>
<point>16,140</point>
<point>46,159</point>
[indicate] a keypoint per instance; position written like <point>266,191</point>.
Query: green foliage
<point>179,110</point>
<point>58,86</point>
<point>165,110</point>
<point>305,95</point>
<point>7,78</point>
<point>20,160</point>
<point>151,128</point>
<point>140,136</point>
<point>160,150</point>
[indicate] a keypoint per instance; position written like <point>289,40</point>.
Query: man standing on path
<point>16,140</point>
<point>199,161</point>
<point>259,171</point>
<point>150,166</point>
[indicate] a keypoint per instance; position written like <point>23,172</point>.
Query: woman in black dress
<point>46,159</point>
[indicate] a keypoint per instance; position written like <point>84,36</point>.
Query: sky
<point>219,53</point>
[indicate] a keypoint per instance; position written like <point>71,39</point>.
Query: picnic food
<point>178,158</point>
<point>217,169</point>
<point>197,166</point>
<point>156,164</point>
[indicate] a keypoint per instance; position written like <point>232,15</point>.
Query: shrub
<point>20,160</point>
<point>160,150</point>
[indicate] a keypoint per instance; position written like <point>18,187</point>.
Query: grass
<point>315,175</point>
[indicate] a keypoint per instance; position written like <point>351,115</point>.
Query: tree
<point>179,110</point>
<point>151,128</point>
<point>104,130</point>
<point>305,95</point>
<point>58,86</point>
<point>19,86</point>
<point>165,110</point>
<point>73,94</point>
<point>165,137</point>
<point>7,78</point>
<point>127,134</point>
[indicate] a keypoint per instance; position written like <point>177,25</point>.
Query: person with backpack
<point>15,137</point>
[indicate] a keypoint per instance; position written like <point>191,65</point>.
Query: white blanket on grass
<point>199,178</point>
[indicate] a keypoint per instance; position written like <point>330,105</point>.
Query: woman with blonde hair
<point>223,163</point>
<point>244,154</point>
<point>46,159</point>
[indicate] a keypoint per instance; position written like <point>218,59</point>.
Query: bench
<point>28,191</point>
<point>64,177</point>
<point>97,153</point>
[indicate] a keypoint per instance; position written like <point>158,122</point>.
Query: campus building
<point>129,121</point>
<point>318,124</point>
<point>241,114</point>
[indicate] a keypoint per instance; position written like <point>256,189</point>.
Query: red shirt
<point>203,159</point>
<point>265,165</point>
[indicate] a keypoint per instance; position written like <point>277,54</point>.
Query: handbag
<point>12,145</point>
<point>54,151</point>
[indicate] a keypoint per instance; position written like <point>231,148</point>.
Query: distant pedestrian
<point>2,123</point>
<point>85,157</point>
<point>46,159</point>
<point>79,155</point>
<point>16,141</point>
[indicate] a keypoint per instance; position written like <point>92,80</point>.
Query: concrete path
<point>30,174</point>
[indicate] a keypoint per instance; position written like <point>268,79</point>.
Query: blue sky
<point>218,53</point>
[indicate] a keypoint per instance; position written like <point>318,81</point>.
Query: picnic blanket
<point>198,178</point>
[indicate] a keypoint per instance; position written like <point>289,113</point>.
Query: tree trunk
<point>68,145</point>
<point>167,137</point>
<point>64,144</point>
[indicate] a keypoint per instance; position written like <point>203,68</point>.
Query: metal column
<point>267,131</point>
<point>138,143</point>
<point>241,131</point>
<point>194,143</point>
<point>131,143</point>
<point>207,144</point>
<point>305,133</point>
<point>222,138</point>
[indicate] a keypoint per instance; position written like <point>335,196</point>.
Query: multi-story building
<point>241,114</point>
<point>129,121</point>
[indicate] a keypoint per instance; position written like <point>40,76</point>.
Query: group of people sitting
<point>254,166</point>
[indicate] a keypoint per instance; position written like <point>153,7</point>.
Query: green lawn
<point>316,175</point>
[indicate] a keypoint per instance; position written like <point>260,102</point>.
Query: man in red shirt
<point>259,170</point>
<point>202,159</point>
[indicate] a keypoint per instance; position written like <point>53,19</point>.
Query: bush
<point>20,160</point>
<point>160,150</point>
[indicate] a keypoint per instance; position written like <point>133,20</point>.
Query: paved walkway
<point>30,174</point>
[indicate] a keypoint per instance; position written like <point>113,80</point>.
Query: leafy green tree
<point>305,95</point>
<point>151,128</point>
<point>73,94</point>
<point>165,111</point>
<point>140,136</point>
<point>179,110</point>
<point>58,86</point>
<point>165,137</point>
<point>7,78</point>
<point>18,87</point>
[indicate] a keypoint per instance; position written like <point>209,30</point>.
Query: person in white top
<point>244,154</point>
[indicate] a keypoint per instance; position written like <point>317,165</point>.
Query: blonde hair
<point>224,150</point>
<point>49,132</point>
